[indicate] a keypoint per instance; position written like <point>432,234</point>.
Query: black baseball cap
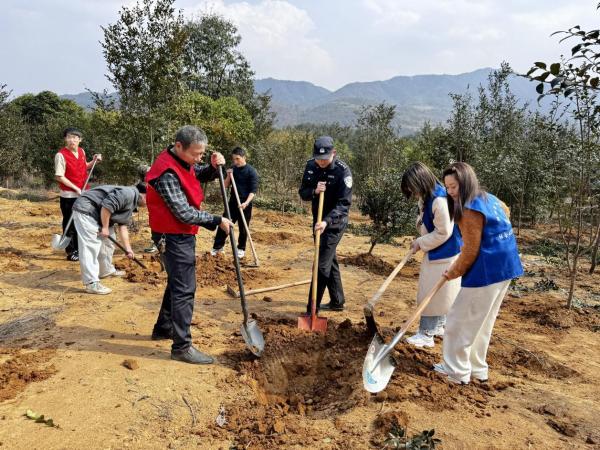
<point>323,147</point>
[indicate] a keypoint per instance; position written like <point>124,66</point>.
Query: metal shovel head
<point>370,320</point>
<point>308,324</point>
<point>375,379</point>
<point>253,337</point>
<point>60,242</point>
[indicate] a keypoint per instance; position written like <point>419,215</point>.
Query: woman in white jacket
<point>440,241</point>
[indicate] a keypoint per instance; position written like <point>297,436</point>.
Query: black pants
<point>66,208</point>
<point>178,300</point>
<point>329,270</point>
<point>235,217</point>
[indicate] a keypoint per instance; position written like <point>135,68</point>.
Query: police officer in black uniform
<point>324,172</point>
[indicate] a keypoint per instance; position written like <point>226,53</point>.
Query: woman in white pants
<point>440,241</point>
<point>489,260</point>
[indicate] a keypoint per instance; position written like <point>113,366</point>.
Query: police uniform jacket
<point>338,194</point>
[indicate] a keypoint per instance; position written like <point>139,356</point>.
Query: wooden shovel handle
<point>315,271</point>
<point>373,301</point>
<point>243,219</point>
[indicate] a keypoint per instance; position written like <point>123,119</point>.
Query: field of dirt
<point>88,363</point>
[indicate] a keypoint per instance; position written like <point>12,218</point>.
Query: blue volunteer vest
<point>452,246</point>
<point>498,258</point>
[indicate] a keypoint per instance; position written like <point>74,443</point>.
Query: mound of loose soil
<point>304,377</point>
<point>211,271</point>
<point>217,271</point>
<point>136,274</point>
<point>519,361</point>
<point>553,316</point>
<point>22,368</point>
<point>378,266</point>
<point>279,237</point>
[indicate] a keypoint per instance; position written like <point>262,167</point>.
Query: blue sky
<point>54,44</point>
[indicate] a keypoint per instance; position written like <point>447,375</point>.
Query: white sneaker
<point>97,288</point>
<point>215,251</point>
<point>441,368</point>
<point>421,340</point>
<point>241,253</point>
<point>116,273</point>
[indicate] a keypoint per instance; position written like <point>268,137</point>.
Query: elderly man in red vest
<point>174,197</point>
<point>70,170</point>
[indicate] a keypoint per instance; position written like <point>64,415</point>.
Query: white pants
<point>95,253</point>
<point>469,329</point>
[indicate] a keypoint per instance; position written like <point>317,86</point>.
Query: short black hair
<point>72,130</point>
<point>238,151</point>
<point>141,187</point>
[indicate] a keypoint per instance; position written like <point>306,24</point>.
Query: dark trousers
<point>66,208</point>
<point>235,217</point>
<point>329,270</point>
<point>178,300</point>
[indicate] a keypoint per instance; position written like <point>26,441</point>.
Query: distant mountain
<point>418,99</point>
<point>85,99</point>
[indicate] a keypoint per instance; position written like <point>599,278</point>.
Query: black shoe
<point>192,355</point>
<point>159,335</point>
<point>73,256</point>
<point>331,307</point>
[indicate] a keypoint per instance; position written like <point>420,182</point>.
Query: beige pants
<point>469,329</point>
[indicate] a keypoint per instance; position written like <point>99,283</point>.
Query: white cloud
<point>391,13</point>
<point>279,39</point>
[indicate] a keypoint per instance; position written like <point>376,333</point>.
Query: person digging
<point>328,174</point>
<point>174,199</point>
<point>94,214</point>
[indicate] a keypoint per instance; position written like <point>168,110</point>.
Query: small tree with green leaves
<point>576,81</point>
<point>390,212</point>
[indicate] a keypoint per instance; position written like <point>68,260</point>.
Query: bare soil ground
<point>87,361</point>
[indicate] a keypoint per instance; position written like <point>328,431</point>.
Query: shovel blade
<point>253,337</point>
<point>60,242</point>
<point>376,378</point>
<point>309,323</point>
<point>370,320</point>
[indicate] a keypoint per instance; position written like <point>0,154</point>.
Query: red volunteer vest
<point>162,219</point>
<point>76,168</point>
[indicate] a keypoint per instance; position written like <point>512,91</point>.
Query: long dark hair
<point>418,179</point>
<point>468,187</point>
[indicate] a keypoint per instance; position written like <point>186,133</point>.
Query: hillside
<point>419,98</point>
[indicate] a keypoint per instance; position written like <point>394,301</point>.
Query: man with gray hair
<point>174,199</point>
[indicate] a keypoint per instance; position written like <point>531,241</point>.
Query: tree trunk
<point>372,246</point>
<point>594,256</point>
<point>572,276</point>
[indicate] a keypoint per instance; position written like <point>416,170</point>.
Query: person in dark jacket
<point>246,181</point>
<point>94,214</point>
<point>326,173</point>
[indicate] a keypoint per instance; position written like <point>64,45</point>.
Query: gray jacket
<point>121,201</point>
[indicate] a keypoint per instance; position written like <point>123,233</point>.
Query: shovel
<point>368,309</point>
<point>243,218</point>
<point>312,322</point>
<point>139,263</point>
<point>379,366</point>
<point>60,242</point>
<point>250,331</point>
